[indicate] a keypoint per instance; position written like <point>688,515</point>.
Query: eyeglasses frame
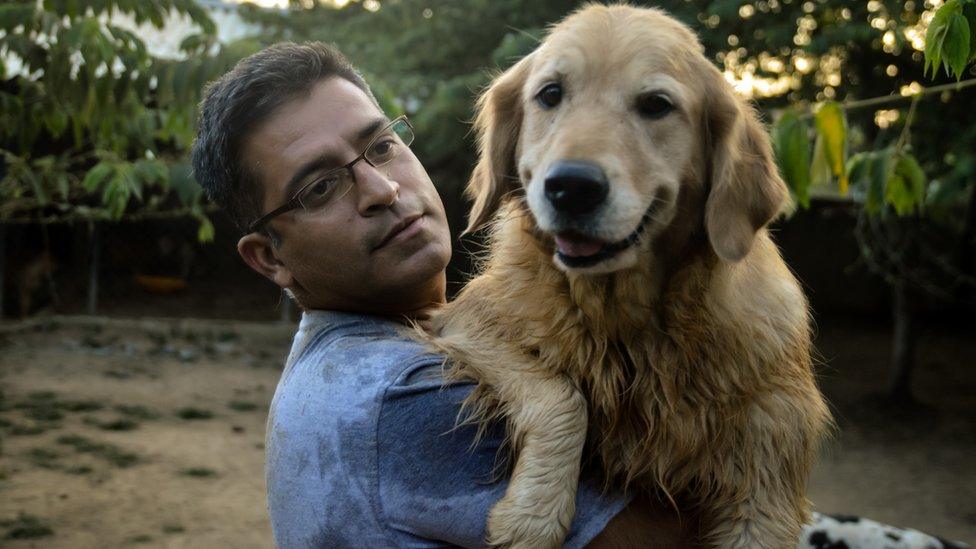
<point>294,203</point>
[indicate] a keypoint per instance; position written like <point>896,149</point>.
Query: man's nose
<point>576,187</point>
<point>376,190</point>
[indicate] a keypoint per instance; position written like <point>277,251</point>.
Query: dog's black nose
<point>576,187</point>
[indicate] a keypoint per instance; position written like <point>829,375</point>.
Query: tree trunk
<point>94,251</point>
<point>3,264</point>
<point>903,348</point>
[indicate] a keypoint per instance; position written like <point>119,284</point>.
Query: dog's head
<point>606,126</point>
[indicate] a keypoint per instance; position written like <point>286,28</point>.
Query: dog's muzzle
<point>576,187</point>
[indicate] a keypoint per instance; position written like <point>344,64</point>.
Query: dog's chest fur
<point>668,386</point>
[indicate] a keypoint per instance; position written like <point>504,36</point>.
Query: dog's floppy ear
<point>746,189</point>
<point>497,124</point>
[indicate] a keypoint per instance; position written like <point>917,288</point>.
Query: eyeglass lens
<point>335,184</point>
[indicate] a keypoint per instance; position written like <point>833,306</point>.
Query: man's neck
<point>418,309</point>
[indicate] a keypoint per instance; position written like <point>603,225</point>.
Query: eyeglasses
<point>317,195</point>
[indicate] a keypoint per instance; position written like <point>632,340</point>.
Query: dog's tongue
<point>577,246</point>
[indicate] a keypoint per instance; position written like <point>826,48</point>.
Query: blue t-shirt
<point>363,448</point>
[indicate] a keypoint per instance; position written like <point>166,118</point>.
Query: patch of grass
<point>44,457</point>
<point>141,538</point>
<point>80,443</point>
<point>190,413</point>
<point>119,457</point>
<point>121,424</point>
<point>137,411</point>
<point>228,335</point>
<point>4,423</point>
<point>79,470</point>
<point>173,529</point>
<point>199,472</point>
<point>26,527</point>
<point>109,452</point>
<point>44,406</point>
<point>80,405</point>
<point>24,429</point>
<point>44,412</point>
<point>116,374</point>
<point>242,406</point>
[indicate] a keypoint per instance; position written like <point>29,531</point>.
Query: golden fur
<point>682,367</point>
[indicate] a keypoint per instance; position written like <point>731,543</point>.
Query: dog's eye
<point>550,96</point>
<point>654,105</point>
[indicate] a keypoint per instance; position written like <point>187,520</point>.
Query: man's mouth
<point>577,250</point>
<point>402,230</point>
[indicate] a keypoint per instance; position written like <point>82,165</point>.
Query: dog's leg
<point>763,479</point>
<point>759,521</point>
<point>547,418</point>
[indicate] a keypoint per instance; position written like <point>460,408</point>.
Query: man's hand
<point>649,523</point>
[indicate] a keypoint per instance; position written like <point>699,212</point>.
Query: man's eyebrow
<point>373,127</point>
<point>325,160</point>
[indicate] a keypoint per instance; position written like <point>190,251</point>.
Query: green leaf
<point>832,125</point>
<point>182,182</point>
<point>39,191</point>
<point>910,191</point>
<point>791,144</point>
<point>969,11</point>
<point>206,231</point>
<point>97,175</point>
<point>820,174</point>
<point>869,173</point>
<point>13,15</point>
<point>56,121</point>
<point>115,197</point>
<point>955,48</point>
<point>899,195</point>
<point>936,34</point>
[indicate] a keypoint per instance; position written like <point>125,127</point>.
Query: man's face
<point>383,246</point>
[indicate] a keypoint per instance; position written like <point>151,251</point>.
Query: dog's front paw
<point>519,522</point>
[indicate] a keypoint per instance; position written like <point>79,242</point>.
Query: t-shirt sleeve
<point>436,484</point>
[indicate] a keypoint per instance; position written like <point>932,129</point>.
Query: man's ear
<point>746,189</point>
<point>259,253</point>
<point>497,125</point>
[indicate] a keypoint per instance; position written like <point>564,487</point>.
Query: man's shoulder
<point>342,362</point>
<point>346,340</point>
<point>351,349</point>
<point>324,422</point>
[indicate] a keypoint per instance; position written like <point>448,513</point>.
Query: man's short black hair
<point>248,94</point>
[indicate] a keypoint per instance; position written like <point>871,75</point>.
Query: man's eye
<point>384,147</point>
<point>321,186</point>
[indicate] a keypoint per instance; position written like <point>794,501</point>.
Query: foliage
<point>912,233</point>
<point>951,38</point>
<point>98,128</point>
<point>791,143</point>
<point>93,126</point>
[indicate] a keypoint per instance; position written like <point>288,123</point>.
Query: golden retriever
<point>633,301</point>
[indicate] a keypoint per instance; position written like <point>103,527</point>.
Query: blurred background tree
<point>94,127</point>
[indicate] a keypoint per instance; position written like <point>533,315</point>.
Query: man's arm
<point>434,482</point>
<point>645,521</point>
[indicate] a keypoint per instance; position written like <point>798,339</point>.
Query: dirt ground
<point>150,433</point>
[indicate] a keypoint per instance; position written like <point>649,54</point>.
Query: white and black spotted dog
<point>848,532</point>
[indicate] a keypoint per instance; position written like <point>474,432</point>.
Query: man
<point>362,444</point>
